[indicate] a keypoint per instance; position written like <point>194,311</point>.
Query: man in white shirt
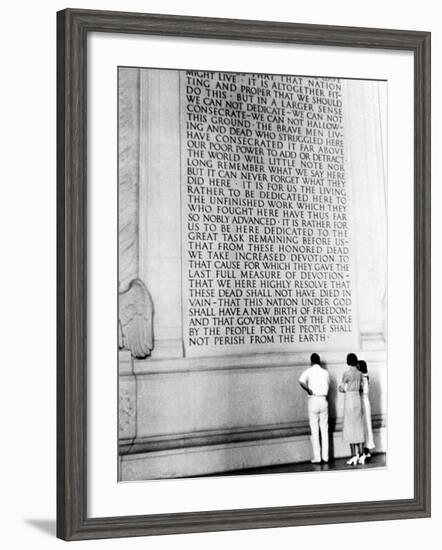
<point>316,382</point>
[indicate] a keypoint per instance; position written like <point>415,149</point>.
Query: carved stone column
<point>129,160</point>
<point>364,121</point>
<point>159,207</point>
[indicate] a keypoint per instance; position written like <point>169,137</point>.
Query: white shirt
<point>316,379</point>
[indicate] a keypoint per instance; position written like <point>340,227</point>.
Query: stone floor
<point>376,461</point>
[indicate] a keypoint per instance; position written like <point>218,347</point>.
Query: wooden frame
<point>73,27</point>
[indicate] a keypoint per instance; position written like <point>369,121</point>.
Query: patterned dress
<point>366,410</point>
<point>353,430</point>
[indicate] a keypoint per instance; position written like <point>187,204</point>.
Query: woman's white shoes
<point>357,460</point>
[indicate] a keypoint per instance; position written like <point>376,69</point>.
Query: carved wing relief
<point>135,320</point>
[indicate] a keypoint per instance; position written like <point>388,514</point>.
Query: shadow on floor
<point>376,461</point>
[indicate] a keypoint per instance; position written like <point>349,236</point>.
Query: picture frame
<point>73,28</point>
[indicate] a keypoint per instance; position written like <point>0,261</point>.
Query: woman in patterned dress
<point>353,430</point>
<point>366,412</point>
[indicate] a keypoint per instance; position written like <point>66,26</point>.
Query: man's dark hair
<point>352,359</point>
<point>315,359</point>
<point>362,366</point>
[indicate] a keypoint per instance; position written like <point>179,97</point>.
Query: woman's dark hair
<point>362,366</point>
<point>315,359</point>
<point>352,359</point>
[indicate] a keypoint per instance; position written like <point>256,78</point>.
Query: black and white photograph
<point>252,273</point>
